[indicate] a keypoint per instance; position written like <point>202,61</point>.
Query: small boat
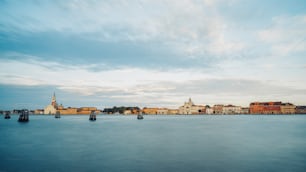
<point>24,116</point>
<point>92,116</point>
<point>139,116</point>
<point>7,115</point>
<point>58,114</point>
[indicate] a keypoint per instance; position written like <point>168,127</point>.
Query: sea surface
<point>154,144</point>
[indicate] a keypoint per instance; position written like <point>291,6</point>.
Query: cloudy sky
<point>151,52</point>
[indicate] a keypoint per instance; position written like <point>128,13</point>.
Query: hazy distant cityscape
<point>188,108</point>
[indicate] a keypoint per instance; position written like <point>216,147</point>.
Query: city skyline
<point>151,53</point>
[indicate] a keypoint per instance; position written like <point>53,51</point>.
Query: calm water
<point>157,143</point>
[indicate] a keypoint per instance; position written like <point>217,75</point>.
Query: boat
<point>24,116</point>
<point>139,116</point>
<point>92,116</point>
<point>7,115</point>
<point>58,114</point>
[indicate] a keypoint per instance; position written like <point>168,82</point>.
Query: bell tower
<point>53,102</point>
<point>190,102</point>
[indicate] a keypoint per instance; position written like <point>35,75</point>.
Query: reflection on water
<point>157,143</point>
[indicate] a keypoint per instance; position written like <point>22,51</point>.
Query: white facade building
<point>245,110</point>
<point>209,110</point>
<point>190,108</point>
<point>51,109</point>
<point>230,109</point>
<point>127,112</point>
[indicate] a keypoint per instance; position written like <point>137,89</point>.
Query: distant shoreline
<point>165,114</point>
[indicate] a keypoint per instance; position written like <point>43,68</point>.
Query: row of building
<point>188,108</point>
<point>53,108</point>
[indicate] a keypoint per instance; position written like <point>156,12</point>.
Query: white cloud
<point>191,27</point>
<point>145,87</point>
<point>75,77</point>
<point>222,46</point>
<point>286,35</point>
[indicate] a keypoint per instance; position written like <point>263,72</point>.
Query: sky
<point>151,53</point>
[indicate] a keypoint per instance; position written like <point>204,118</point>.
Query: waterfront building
<point>54,107</point>
<point>78,111</point>
<point>218,109</point>
<point>231,109</point>
<point>87,110</point>
<point>265,107</point>
<point>173,111</point>
<point>51,108</point>
<point>209,110</point>
<point>245,110</point>
<point>300,110</point>
<point>136,111</point>
<point>190,108</point>
<point>162,111</point>
<point>68,111</point>
<point>256,108</point>
<point>39,111</point>
<point>202,109</point>
<point>59,107</point>
<point>149,111</point>
<point>287,108</point>
<point>127,112</point>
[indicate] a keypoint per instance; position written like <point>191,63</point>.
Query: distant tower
<point>51,108</point>
<point>190,102</point>
<point>53,102</point>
